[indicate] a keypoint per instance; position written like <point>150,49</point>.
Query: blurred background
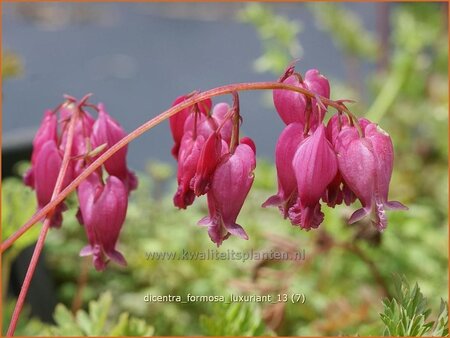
<point>137,58</point>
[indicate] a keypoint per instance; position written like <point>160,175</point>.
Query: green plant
<point>96,322</point>
<point>406,314</point>
<point>234,319</point>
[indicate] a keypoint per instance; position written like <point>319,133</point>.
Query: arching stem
<point>195,98</point>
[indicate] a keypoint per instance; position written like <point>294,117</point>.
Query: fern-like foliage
<point>406,314</point>
<point>234,319</point>
<point>95,322</point>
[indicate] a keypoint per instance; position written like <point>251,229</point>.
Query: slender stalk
<point>236,119</point>
<point>195,98</point>
<point>42,235</point>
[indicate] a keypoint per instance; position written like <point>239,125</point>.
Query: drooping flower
<point>231,183</point>
<point>338,190</point>
<point>291,105</point>
<point>205,139</point>
<point>295,107</point>
<point>366,164</point>
<point>208,159</point>
<point>188,158</point>
<point>47,132</point>
<point>205,124</point>
<point>45,172</point>
<point>178,120</point>
<point>107,131</point>
<point>287,145</point>
<point>315,166</point>
<point>102,212</point>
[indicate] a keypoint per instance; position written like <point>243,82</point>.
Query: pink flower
<point>107,131</point>
<point>366,164</point>
<point>47,132</point>
<point>286,147</point>
<point>315,166</point>
<point>45,171</point>
<point>178,120</point>
<point>208,159</point>
<point>231,183</point>
<point>102,212</point>
<point>83,131</point>
<point>205,125</point>
<point>188,158</point>
<point>291,105</point>
<point>219,115</point>
<point>338,190</point>
<point>199,152</point>
<point>317,83</point>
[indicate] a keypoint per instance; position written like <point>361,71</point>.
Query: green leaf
<point>406,314</point>
<point>95,323</point>
<point>234,319</point>
<point>66,324</point>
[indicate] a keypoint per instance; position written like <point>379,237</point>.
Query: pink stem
<point>42,235</point>
<point>196,98</point>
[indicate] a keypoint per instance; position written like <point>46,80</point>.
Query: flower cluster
<point>102,201</point>
<point>345,160</point>
<point>317,163</point>
<point>213,161</point>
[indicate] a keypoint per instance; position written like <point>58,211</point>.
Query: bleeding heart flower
<point>294,107</point>
<point>290,105</point>
<point>107,131</point>
<point>102,212</point>
<point>178,120</point>
<point>208,159</point>
<point>366,164</point>
<point>315,166</point>
<point>188,158</point>
<point>285,150</point>
<point>338,190</point>
<point>47,132</point>
<point>45,171</point>
<point>231,183</point>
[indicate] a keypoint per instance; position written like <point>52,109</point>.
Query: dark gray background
<point>137,57</point>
